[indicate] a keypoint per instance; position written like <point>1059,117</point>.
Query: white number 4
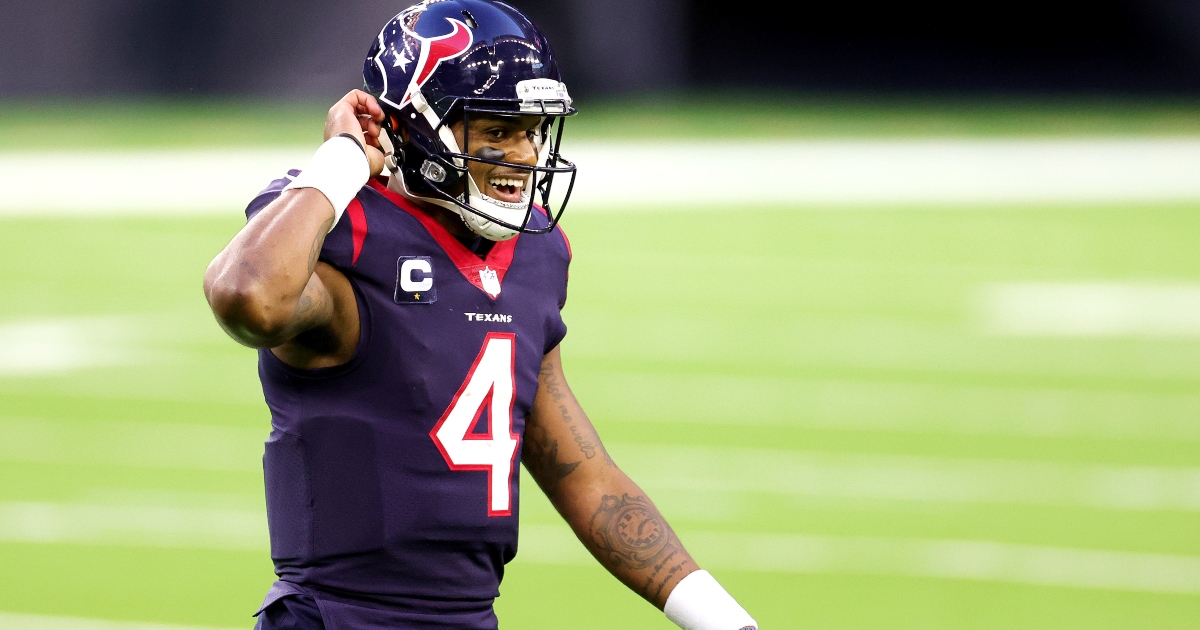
<point>490,381</point>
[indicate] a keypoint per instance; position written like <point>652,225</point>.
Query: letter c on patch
<point>411,284</point>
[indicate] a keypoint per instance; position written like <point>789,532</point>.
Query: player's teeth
<point>500,182</point>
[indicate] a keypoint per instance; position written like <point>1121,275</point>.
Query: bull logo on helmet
<point>434,50</point>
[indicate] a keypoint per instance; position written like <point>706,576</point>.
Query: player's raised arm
<point>266,287</point>
<point>612,516</point>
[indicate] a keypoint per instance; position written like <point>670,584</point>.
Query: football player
<point>405,290</point>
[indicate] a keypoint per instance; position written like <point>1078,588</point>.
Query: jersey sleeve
<point>557,328</point>
<point>343,244</point>
<point>269,194</point>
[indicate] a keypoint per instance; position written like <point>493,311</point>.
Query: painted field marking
<point>906,557</point>
<point>57,345</point>
<point>133,444</point>
<point>133,525</point>
<point>853,476</point>
<point>15,621</point>
<point>1091,309</point>
<point>155,181</point>
<point>669,468</point>
<point>784,553</point>
<point>669,472</point>
<point>661,174</point>
<point>678,174</point>
<point>784,401</point>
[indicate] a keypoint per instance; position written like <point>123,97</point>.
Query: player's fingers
<point>341,119</point>
<point>371,129</point>
<point>374,109</point>
<point>375,158</point>
<point>364,103</point>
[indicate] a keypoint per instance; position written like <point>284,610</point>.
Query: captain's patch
<point>414,280</point>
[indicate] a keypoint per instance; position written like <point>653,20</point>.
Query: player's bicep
<point>315,308</point>
<point>560,441</point>
<point>324,328</point>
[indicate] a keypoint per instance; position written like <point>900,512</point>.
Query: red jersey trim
<point>358,227</point>
<point>499,259</point>
<point>567,241</point>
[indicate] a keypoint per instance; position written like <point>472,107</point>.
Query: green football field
<point>819,400</point>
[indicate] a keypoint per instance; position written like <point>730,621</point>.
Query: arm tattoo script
<point>585,437</point>
<point>629,533</point>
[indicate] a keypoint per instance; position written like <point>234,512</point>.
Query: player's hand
<point>360,115</point>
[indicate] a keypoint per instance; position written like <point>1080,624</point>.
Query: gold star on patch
<point>416,296</point>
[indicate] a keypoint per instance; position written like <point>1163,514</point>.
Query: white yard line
<point>861,477</point>
<point>890,171</point>
<point>787,473</point>
<point>133,525</point>
<point>668,468</point>
<point>241,529</point>
<point>1091,309</point>
<point>907,557</point>
<point>65,344</point>
<point>14,621</point>
<point>660,174</point>
<point>134,444</point>
<point>140,182</point>
<point>947,408</point>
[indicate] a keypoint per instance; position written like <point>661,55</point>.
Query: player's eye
<point>495,134</point>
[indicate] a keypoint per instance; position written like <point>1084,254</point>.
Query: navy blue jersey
<point>392,480</point>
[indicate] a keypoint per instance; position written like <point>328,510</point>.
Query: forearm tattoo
<point>313,306</point>
<point>585,437</point>
<point>314,252</point>
<point>541,458</point>
<point>630,536</point>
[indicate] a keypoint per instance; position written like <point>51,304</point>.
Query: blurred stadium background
<point>893,308</point>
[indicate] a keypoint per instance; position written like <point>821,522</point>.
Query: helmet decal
<point>434,50</point>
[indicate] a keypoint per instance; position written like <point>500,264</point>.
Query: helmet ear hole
<point>470,19</point>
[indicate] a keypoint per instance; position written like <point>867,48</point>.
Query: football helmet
<point>443,61</point>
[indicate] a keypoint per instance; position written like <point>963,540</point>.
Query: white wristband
<point>699,603</point>
<point>339,169</point>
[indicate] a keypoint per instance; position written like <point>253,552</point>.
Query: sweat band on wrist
<point>339,169</point>
<point>699,603</point>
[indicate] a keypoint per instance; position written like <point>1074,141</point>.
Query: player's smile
<point>502,139</point>
<point>506,185</point>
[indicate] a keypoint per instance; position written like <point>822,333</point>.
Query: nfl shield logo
<point>490,281</point>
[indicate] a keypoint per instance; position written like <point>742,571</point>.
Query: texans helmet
<point>441,61</point>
